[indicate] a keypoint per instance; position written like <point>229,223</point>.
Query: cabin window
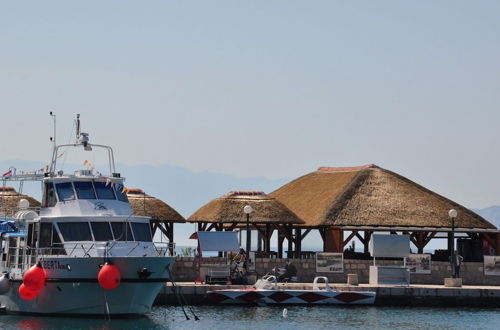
<point>84,190</point>
<point>75,231</point>
<point>104,191</point>
<point>102,231</point>
<point>45,235</point>
<point>122,231</point>
<point>65,191</point>
<point>142,231</point>
<point>121,195</point>
<point>49,198</point>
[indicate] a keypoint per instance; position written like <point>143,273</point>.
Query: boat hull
<point>77,292</point>
<point>293,297</point>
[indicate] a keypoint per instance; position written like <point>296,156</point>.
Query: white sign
<point>419,263</point>
<point>328,262</point>
<point>492,265</point>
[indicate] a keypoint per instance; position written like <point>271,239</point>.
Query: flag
<point>7,174</point>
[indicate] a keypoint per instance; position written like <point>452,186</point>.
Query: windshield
<point>84,190</point>
<point>104,191</point>
<point>65,191</point>
<point>120,194</point>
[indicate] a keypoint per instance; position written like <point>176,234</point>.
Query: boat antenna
<point>53,138</point>
<point>77,127</point>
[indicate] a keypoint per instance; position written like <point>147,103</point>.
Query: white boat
<point>95,256</point>
<point>267,292</point>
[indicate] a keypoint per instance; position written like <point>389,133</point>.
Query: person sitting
<point>290,271</point>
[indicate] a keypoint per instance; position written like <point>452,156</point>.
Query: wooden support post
<point>298,242</point>
<point>259,241</point>
<point>368,236</point>
<point>281,238</point>
<point>267,237</point>
<point>333,239</point>
<point>420,240</point>
<point>290,242</point>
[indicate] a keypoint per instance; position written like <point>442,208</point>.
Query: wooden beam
<point>305,233</point>
<point>351,236</point>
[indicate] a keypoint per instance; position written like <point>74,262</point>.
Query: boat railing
<point>165,249</point>
<point>25,257</point>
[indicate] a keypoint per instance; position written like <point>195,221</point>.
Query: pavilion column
<point>298,242</point>
<point>267,238</point>
<point>259,241</point>
<point>368,236</point>
<point>281,238</point>
<point>420,240</point>
<point>171,239</point>
<point>290,242</point>
<point>333,239</point>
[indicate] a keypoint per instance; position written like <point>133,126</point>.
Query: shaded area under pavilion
<point>162,215</point>
<point>367,199</point>
<point>225,213</point>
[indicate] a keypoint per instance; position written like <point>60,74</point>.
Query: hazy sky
<point>263,88</point>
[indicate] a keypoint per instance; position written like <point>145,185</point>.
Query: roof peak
<point>324,169</point>
<point>244,193</point>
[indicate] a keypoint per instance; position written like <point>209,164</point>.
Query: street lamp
<point>248,209</point>
<point>453,214</point>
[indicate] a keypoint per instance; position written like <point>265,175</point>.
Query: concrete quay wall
<point>472,273</point>
<point>413,295</point>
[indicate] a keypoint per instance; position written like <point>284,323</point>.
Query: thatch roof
<point>370,196</point>
<point>156,209</point>
<point>229,209</point>
<point>9,199</point>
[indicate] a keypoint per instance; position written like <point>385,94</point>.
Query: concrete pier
<point>412,295</point>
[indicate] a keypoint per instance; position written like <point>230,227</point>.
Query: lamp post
<point>248,209</point>
<point>453,214</point>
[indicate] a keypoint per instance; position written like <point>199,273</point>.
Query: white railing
<point>25,257</point>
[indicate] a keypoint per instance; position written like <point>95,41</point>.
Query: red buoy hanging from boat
<point>26,293</point>
<point>34,278</point>
<point>109,277</point>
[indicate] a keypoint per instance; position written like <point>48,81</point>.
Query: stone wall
<point>184,270</point>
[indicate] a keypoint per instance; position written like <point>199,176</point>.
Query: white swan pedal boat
<point>266,291</point>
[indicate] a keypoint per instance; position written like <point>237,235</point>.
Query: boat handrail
<point>325,280</point>
<point>24,257</point>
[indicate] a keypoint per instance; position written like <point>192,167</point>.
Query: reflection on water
<point>299,317</point>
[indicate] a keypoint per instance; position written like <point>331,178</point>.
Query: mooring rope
<point>180,297</point>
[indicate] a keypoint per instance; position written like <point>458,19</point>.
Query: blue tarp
<point>7,227</point>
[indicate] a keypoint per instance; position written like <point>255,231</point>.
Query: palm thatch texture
<point>229,209</point>
<point>268,215</point>
<point>9,199</point>
<point>148,206</point>
<point>162,215</point>
<point>370,196</point>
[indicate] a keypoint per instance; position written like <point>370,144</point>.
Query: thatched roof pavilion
<point>226,213</point>
<point>162,215</point>
<point>369,198</point>
<point>9,199</point>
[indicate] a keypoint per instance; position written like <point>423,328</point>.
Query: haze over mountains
<point>186,190</point>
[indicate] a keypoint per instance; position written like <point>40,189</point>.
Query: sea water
<point>297,317</point>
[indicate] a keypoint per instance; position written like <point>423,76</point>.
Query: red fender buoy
<point>34,278</point>
<point>109,277</point>
<point>26,293</point>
